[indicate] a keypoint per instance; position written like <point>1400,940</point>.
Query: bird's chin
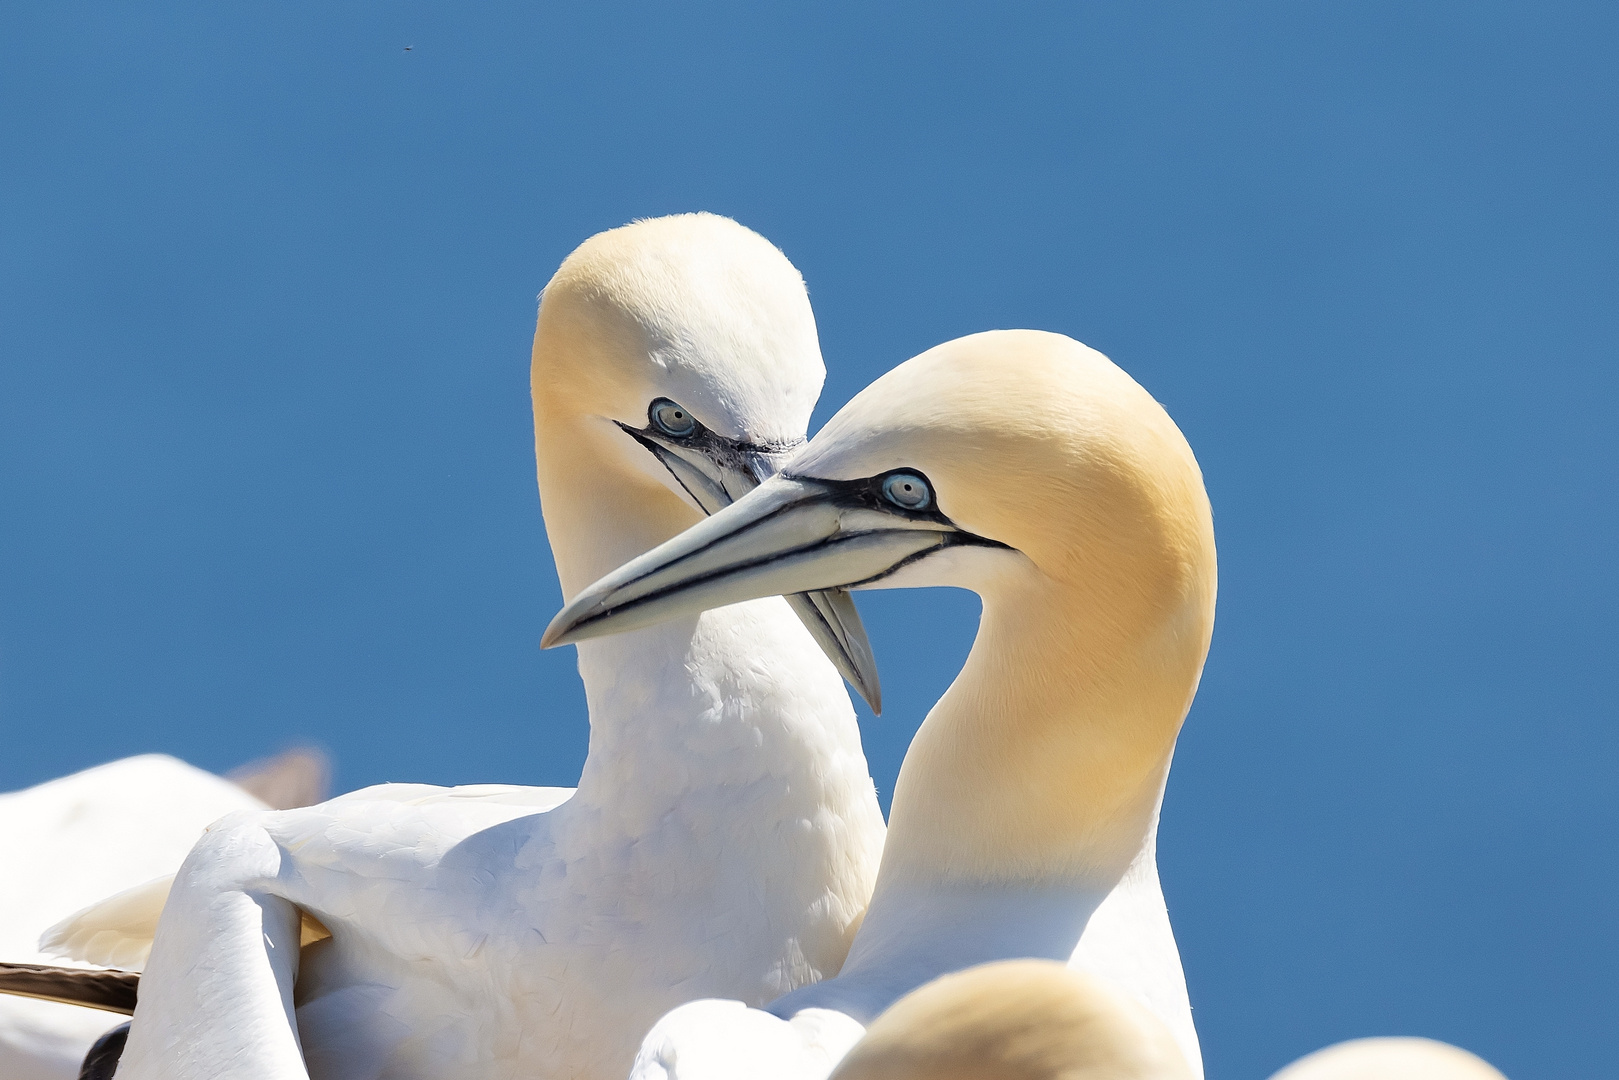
<point>963,566</point>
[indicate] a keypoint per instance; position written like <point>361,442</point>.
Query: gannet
<point>724,835</point>
<point>1028,468</point>
<point>1015,1020</point>
<point>1041,1020</point>
<point>71,841</point>
<point>1403,1058</point>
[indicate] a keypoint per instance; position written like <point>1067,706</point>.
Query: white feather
<point>69,842</point>
<point>116,932</point>
<point>1025,815</point>
<point>1399,1058</point>
<point>724,834</point>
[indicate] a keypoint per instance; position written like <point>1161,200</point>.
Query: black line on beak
<point>717,448</point>
<point>654,448</point>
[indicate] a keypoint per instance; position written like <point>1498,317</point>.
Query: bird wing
<point>70,842</point>
<point>73,841</point>
<point>116,932</point>
<point>232,919</point>
<point>534,799</point>
<point>111,991</point>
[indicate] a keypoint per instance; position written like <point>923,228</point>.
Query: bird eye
<point>670,418</point>
<point>908,491</point>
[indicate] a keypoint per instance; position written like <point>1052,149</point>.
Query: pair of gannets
<point>1030,469</point>
<point>465,934</point>
<point>74,840</point>
<point>1039,1020</point>
<point>724,835</point>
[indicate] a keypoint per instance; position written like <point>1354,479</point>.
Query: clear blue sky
<point>266,474</point>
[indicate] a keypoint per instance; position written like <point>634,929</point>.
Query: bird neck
<point>687,707</point>
<point>1044,763</point>
<point>605,500</point>
<point>1031,787</point>
<point>913,934</point>
<point>739,698</point>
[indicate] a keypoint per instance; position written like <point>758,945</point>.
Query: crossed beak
<point>716,472</point>
<point>789,536</point>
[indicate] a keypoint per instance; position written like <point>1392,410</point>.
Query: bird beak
<point>716,472</point>
<point>791,535</point>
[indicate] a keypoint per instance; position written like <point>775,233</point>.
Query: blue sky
<point>266,472</point>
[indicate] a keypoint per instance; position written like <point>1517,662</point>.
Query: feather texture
<point>1024,818</point>
<point>724,834</point>
<point>71,841</point>
<point>111,991</point>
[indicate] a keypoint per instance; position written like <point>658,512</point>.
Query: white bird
<point>1015,1020</point>
<point>1031,470</point>
<point>724,835</point>
<point>71,841</point>
<point>1041,1020</point>
<point>1390,1058</point>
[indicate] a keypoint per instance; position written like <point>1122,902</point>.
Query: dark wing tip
<point>107,989</point>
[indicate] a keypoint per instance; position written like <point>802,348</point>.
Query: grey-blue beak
<point>790,535</point>
<point>715,472</point>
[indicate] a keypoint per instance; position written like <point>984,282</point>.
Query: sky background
<point>266,298</point>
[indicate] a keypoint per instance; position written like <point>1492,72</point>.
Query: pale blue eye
<point>671,419</point>
<point>908,491</point>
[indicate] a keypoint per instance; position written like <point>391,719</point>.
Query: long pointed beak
<point>789,536</point>
<point>715,473</point>
<point>715,476</point>
<point>830,617</point>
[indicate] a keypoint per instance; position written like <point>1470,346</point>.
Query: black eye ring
<point>908,491</point>
<point>673,420</point>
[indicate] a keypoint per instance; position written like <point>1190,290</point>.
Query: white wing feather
<point>116,932</point>
<point>74,841</point>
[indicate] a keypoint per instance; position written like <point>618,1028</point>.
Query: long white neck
<point>725,779</point>
<point>687,705</point>
<point>1045,761</point>
<point>736,698</point>
<point>1030,789</point>
<point>605,499</point>
<point>912,935</point>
